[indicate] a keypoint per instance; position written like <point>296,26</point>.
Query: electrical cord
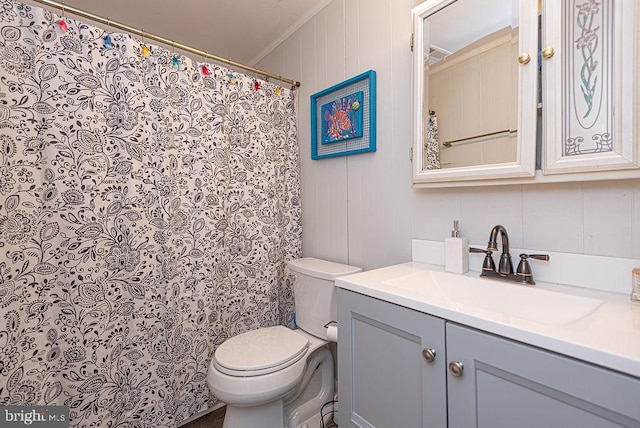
<point>332,412</point>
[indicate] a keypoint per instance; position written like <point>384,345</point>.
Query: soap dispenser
<point>456,251</point>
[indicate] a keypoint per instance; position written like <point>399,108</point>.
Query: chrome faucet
<point>523,274</point>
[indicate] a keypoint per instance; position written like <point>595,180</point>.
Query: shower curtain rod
<point>165,41</point>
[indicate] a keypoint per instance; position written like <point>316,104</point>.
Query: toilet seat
<point>260,352</point>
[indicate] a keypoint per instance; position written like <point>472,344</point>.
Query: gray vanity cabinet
<point>505,384</point>
<point>479,380</point>
<point>384,379</point>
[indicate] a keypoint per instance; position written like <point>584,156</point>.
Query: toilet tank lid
<point>321,268</point>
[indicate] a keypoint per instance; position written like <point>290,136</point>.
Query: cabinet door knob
<point>524,58</point>
<point>456,368</point>
<point>547,52</point>
<point>429,355</point>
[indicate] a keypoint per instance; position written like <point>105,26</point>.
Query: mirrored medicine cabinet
<point>518,91</point>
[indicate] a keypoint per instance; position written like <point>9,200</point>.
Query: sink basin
<point>506,298</point>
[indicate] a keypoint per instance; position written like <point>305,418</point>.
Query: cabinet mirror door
<point>474,90</point>
<point>590,93</point>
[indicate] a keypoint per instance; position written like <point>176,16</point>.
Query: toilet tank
<point>315,292</point>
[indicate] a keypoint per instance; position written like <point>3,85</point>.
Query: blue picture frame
<point>343,118</point>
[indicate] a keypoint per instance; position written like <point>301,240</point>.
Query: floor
<point>210,420</point>
<point>216,418</point>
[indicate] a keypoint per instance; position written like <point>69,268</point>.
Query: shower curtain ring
<point>205,69</point>
<point>175,61</point>
<point>144,49</point>
<point>62,23</point>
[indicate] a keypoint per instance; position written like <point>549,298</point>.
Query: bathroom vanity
<point>419,347</point>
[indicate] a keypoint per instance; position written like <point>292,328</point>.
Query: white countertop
<point>608,336</point>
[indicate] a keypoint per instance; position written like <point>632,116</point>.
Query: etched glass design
<point>588,77</point>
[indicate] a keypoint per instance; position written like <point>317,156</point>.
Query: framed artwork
<point>343,118</point>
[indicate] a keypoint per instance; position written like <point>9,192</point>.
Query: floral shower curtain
<point>146,213</point>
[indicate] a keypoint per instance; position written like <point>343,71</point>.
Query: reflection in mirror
<point>470,91</point>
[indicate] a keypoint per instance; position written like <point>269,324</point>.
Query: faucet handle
<point>524,269</point>
<point>479,250</point>
<point>488,263</point>
<point>543,257</point>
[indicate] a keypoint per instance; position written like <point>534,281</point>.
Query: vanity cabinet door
<point>590,96</point>
<point>384,378</point>
<point>504,384</point>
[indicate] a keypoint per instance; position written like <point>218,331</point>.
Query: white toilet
<point>277,377</point>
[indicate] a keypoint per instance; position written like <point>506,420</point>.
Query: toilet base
<point>257,418</point>
<point>300,408</point>
<point>314,421</point>
<point>266,415</point>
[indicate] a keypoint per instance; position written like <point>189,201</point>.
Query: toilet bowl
<point>262,396</point>
<point>279,377</point>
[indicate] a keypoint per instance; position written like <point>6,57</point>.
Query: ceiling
<point>240,30</point>
<point>477,19</point>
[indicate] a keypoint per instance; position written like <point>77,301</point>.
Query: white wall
<point>362,210</point>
